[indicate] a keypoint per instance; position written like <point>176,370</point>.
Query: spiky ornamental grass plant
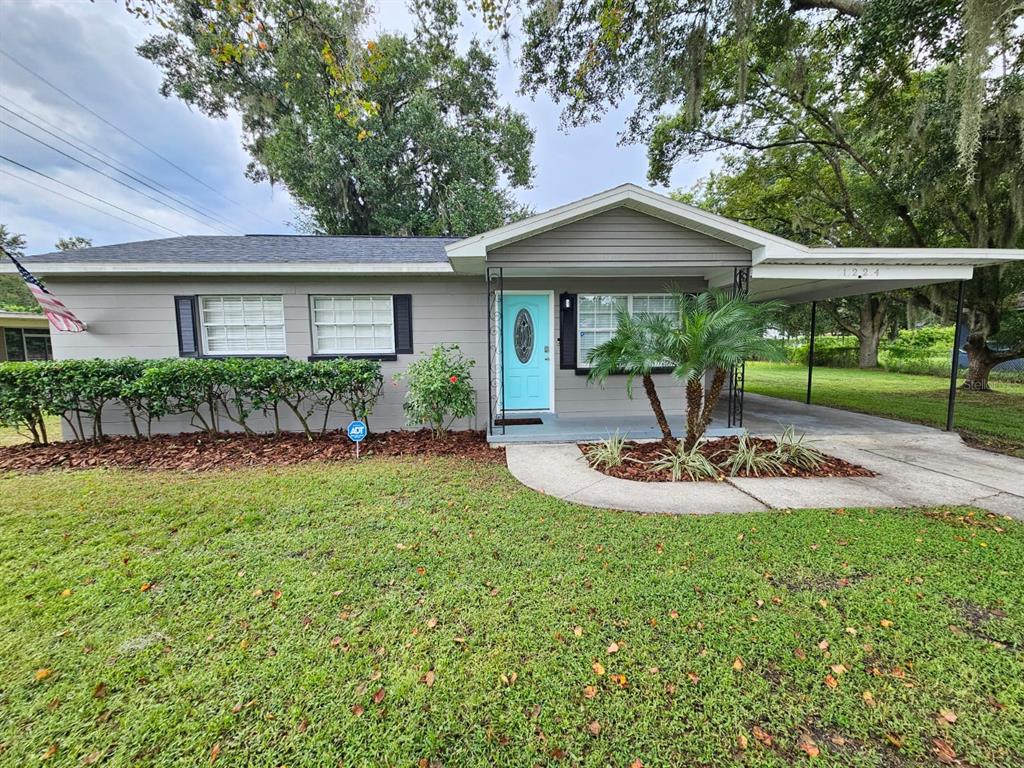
<point>608,452</point>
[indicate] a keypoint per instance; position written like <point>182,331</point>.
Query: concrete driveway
<point>917,467</point>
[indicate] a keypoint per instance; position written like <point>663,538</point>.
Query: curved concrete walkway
<point>923,467</point>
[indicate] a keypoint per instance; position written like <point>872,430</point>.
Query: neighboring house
<point>526,301</point>
<point>24,336</point>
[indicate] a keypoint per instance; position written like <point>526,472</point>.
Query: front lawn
<point>434,612</point>
<point>990,417</point>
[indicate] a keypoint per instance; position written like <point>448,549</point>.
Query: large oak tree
<point>398,135</point>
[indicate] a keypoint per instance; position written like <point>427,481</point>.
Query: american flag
<point>62,318</point>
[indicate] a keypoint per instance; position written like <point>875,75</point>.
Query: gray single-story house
<point>526,301</point>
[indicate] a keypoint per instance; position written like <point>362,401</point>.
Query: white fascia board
<point>976,257</point>
<point>866,272</point>
<point>630,196</point>
<point>228,269</point>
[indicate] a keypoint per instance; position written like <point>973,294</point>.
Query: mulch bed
<point>636,466</point>
<point>193,452</point>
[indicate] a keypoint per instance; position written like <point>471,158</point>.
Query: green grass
<point>282,599</point>
<point>10,436</point>
<point>996,417</point>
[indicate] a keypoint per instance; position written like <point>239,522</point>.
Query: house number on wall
<point>859,272</point>
<point>522,336</point>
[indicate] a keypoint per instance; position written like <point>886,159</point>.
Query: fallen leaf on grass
<point>42,674</point>
<point>598,668</point>
<point>943,751</point>
<point>50,752</point>
<point>509,679</point>
<point>885,623</point>
<point>358,709</point>
<point>594,728</point>
<point>946,716</point>
<point>823,645</point>
<point>428,679</point>
<point>589,691</point>
<point>431,622</point>
<point>100,691</point>
<point>146,586</point>
<point>869,699</point>
<point>214,751</point>
<point>378,697</point>
<point>638,763</point>
<point>66,593</point>
<point>800,653</point>
<point>806,743</point>
<point>92,758</point>
<point>741,741</point>
<point>694,677</point>
<point>619,680</point>
<point>578,631</point>
<point>831,682</point>
<point>839,669</point>
<point>737,664</point>
<point>613,648</point>
<point>762,735</point>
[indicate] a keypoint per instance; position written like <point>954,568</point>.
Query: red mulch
<point>717,451</point>
<point>198,451</point>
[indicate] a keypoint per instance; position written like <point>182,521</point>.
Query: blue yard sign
<point>357,432</point>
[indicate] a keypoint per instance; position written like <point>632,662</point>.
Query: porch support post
<point>810,349</point>
<point>500,344</point>
<point>489,309</point>
<point>955,362</point>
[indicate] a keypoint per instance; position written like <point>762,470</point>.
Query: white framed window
<point>353,325</point>
<point>242,325</point>
<point>597,316</point>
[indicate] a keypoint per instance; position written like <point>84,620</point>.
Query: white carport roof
<point>780,268</point>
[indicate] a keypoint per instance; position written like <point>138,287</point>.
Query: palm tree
<point>632,350</point>
<point>710,332</point>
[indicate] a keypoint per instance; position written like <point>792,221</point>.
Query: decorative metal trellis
<point>737,374</point>
<point>494,283</point>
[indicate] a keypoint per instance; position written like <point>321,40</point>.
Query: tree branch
<point>853,8</point>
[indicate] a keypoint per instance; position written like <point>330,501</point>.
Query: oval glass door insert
<point>522,335</point>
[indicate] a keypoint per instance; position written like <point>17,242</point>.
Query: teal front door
<point>526,351</point>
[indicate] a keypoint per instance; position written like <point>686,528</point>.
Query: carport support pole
<point>954,366</point>
<point>810,349</point>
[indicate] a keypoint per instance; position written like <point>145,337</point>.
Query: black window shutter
<point>567,331</point>
<point>402,303</point>
<point>188,336</point>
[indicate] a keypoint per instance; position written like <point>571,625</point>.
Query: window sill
<point>245,356</point>
<point>386,357</point>
<point>656,371</point>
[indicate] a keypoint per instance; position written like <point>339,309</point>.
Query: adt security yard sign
<point>357,432</point>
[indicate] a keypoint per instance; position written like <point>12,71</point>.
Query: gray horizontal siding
<point>621,236</point>
<point>135,317</point>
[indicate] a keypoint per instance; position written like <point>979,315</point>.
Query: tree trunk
<point>869,333</point>
<point>694,397</point>
<point>980,362</point>
<point>717,383</point>
<point>659,412</point>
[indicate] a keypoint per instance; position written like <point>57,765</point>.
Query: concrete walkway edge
<point>913,470</point>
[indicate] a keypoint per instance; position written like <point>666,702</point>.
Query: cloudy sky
<point>87,50</point>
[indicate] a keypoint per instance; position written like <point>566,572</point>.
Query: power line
<point>116,128</point>
<point>89,195</point>
<point>132,176</point>
<point>23,180</point>
<point>112,178</point>
<point>111,159</point>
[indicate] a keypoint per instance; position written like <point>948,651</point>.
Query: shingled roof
<point>260,249</point>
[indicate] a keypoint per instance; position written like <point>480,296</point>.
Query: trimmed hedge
<point>208,391</point>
